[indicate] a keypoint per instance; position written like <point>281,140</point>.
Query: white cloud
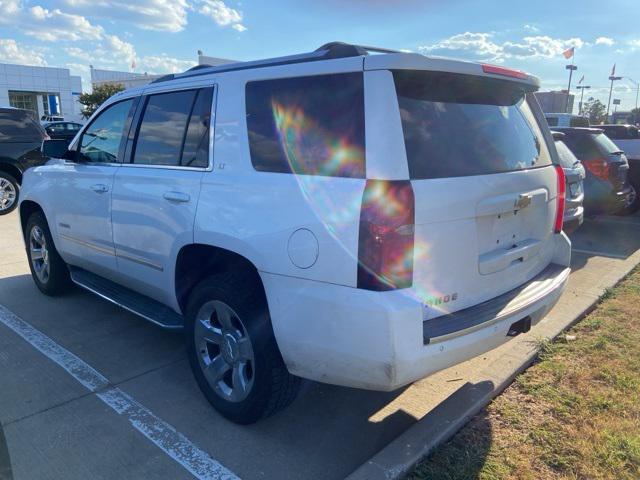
<point>222,14</point>
<point>13,52</point>
<point>531,28</point>
<point>48,25</point>
<point>484,46</point>
<point>163,64</point>
<point>634,44</point>
<point>605,41</point>
<point>162,15</point>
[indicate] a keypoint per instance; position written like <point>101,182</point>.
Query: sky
<point>158,36</point>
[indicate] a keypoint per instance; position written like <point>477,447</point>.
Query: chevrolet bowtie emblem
<point>523,201</point>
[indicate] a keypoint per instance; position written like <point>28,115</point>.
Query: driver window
<point>101,141</point>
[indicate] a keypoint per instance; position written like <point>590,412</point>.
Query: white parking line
<point>163,435</point>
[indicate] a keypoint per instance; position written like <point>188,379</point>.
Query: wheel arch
<point>197,261</point>
<point>11,169</point>
<point>27,208</point>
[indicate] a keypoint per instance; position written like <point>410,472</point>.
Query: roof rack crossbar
<point>325,52</point>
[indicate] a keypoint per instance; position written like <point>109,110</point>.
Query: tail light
<point>598,167</point>
<point>506,72</point>
<point>385,244</point>
<point>561,196</point>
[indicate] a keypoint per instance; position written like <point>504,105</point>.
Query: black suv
<point>20,141</point>
<point>606,188</point>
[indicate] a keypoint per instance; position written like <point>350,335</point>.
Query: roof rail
<point>327,51</point>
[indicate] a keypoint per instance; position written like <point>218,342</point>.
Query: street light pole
<point>637,89</point>
<point>571,68</point>
<point>612,78</point>
<point>582,89</point>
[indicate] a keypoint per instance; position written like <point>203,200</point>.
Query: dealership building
<point>43,90</point>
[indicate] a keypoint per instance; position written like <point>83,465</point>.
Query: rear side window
<point>308,125</point>
<point>174,130</point>
<point>460,125</point>
<point>19,126</point>
<point>567,159</point>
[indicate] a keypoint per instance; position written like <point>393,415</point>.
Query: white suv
<point>356,219</point>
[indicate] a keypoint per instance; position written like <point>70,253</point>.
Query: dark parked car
<point>606,188</point>
<point>627,139</point>
<point>575,175</point>
<point>62,130</point>
<point>20,141</point>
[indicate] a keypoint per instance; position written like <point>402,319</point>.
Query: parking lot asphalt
<point>57,427</point>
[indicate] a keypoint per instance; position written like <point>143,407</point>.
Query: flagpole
<point>571,68</point>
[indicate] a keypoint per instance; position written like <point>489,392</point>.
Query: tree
<point>97,97</point>
<point>634,117</point>
<point>595,110</point>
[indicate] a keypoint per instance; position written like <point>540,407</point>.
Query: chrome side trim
<point>97,248</point>
<point>140,261</point>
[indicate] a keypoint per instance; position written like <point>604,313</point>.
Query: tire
<point>9,193</point>
<point>634,204</point>
<point>49,272</point>
<point>228,309</point>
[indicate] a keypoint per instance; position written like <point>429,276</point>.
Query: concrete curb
<point>399,457</point>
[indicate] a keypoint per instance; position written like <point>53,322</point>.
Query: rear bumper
<point>380,341</point>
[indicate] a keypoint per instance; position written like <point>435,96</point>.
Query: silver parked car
<point>574,174</point>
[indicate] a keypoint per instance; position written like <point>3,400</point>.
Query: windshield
<point>460,125</point>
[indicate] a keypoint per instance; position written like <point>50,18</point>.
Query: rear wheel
<point>232,350</point>
<point>633,202</point>
<point>9,192</point>
<point>49,271</point>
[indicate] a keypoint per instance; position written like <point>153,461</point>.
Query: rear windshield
<point>19,126</point>
<point>579,122</point>
<point>590,146</point>
<point>460,125</point>
<point>567,159</point>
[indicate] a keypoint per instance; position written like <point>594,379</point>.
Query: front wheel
<point>233,352</point>
<point>9,192</point>
<point>50,273</point>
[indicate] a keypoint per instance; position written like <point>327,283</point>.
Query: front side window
<point>307,125</point>
<point>459,125</point>
<point>174,130</point>
<point>101,140</point>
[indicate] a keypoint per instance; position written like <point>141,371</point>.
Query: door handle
<point>100,188</point>
<point>179,197</point>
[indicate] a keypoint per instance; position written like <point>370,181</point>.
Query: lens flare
<point>311,149</point>
<point>314,152</point>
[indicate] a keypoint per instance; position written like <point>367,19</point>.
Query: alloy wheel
<point>39,254</point>
<point>8,194</point>
<point>224,351</point>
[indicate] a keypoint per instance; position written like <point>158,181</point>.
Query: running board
<point>134,302</point>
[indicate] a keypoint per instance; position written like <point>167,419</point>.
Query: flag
<point>581,79</point>
<point>133,64</point>
<point>568,53</point>
<point>613,70</point>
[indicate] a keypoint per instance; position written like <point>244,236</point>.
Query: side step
<point>141,305</point>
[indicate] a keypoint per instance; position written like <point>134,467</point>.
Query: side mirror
<point>54,148</point>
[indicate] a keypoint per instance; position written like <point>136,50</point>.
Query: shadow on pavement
<point>605,236</point>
